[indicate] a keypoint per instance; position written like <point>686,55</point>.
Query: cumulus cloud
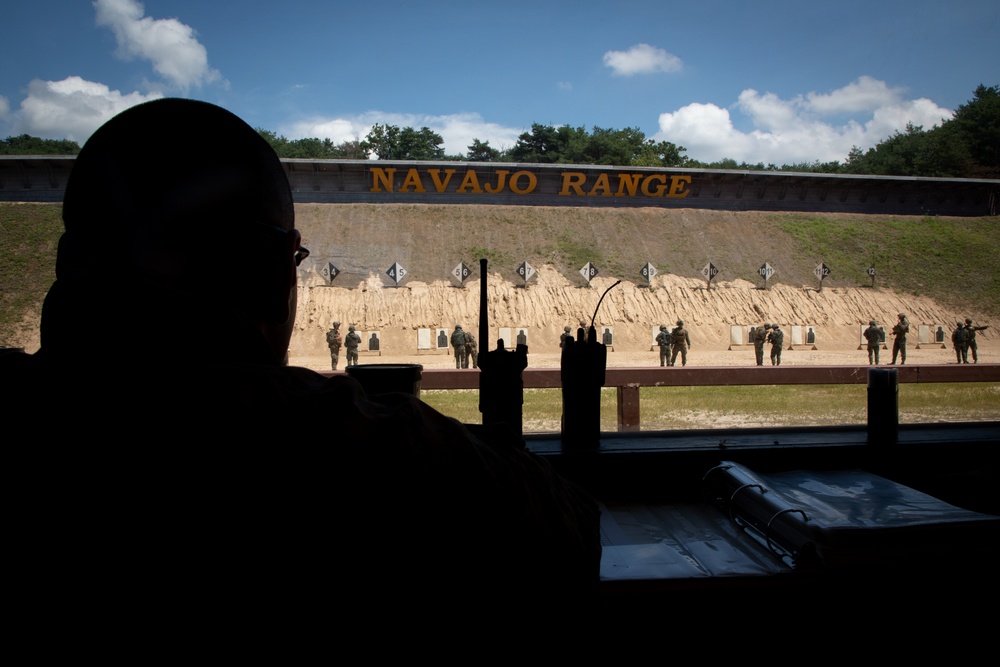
<point>457,130</point>
<point>72,108</point>
<point>641,59</point>
<point>814,126</point>
<point>171,46</point>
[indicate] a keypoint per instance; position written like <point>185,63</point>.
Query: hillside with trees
<point>966,146</point>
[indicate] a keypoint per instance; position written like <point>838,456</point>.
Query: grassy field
<point>953,260</point>
<point>945,259</point>
<point>29,234</point>
<point>722,407</point>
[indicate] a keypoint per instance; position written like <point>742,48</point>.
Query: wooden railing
<point>628,380</point>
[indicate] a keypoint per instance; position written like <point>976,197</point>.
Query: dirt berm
<point>428,241</point>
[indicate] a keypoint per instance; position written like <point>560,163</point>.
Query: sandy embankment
<point>630,310</point>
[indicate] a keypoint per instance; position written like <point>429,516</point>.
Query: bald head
<point>163,179</point>
<point>164,196</point>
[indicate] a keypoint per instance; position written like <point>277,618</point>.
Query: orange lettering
<point>501,181</point>
<point>384,176</point>
<point>470,181</point>
<point>532,182</point>
<point>602,185</point>
<point>677,184</point>
<point>412,180</point>
<point>572,180</point>
<point>658,192</point>
<point>438,184</point>
<point>628,183</point>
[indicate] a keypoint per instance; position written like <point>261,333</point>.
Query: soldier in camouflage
<point>471,351</point>
<point>874,338</point>
<point>351,342</point>
<point>759,338</point>
<point>681,341</point>
<point>334,342</point>
<point>663,341</point>
<point>777,339</point>
<point>567,333</point>
<point>960,341</point>
<point>970,340</point>
<point>899,330</point>
<point>458,344</point>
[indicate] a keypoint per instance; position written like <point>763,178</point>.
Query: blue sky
<point>767,81</point>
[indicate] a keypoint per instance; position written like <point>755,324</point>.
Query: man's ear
<point>272,281</point>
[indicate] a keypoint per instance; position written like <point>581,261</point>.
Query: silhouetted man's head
<point>179,197</point>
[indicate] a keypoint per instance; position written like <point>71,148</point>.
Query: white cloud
<point>72,108</point>
<point>802,129</point>
<point>171,46</point>
<point>457,130</point>
<point>865,94</point>
<point>642,59</point>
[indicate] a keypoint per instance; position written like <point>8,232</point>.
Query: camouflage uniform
<point>970,340</point>
<point>899,330</point>
<point>471,351</point>
<point>681,342</point>
<point>960,341</point>
<point>458,343</point>
<point>776,338</point>
<point>759,338</point>
<point>334,342</point>
<point>567,333</point>
<point>663,340</point>
<point>352,341</point>
<point>874,337</point>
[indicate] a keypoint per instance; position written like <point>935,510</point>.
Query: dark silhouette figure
<point>189,478</point>
<point>373,342</point>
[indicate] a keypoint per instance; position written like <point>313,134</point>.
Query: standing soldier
<point>899,330</point>
<point>458,343</point>
<point>681,342</point>
<point>567,333</point>
<point>873,336</point>
<point>759,338</point>
<point>960,341</point>
<point>663,340</point>
<point>352,341</point>
<point>970,340</point>
<point>471,351</point>
<point>776,338</point>
<point>334,342</point>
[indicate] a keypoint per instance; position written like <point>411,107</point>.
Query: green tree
<point>25,144</point>
<point>541,145</point>
<point>977,125</point>
<point>390,142</point>
<point>660,154</point>
<point>480,151</point>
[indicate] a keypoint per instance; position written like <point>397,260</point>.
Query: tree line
<point>965,146</point>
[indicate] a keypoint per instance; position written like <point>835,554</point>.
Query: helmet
<point>767,325</point>
<point>871,322</point>
<point>336,324</point>
<point>350,328</point>
<point>902,316</point>
<point>774,326</point>
<point>968,320</point>
<point>566,328</point>
<point>680,323</point>
<point>663,327</point>
<point>458,326</point>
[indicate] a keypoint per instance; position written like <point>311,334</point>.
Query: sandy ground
<point>989,352</point>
